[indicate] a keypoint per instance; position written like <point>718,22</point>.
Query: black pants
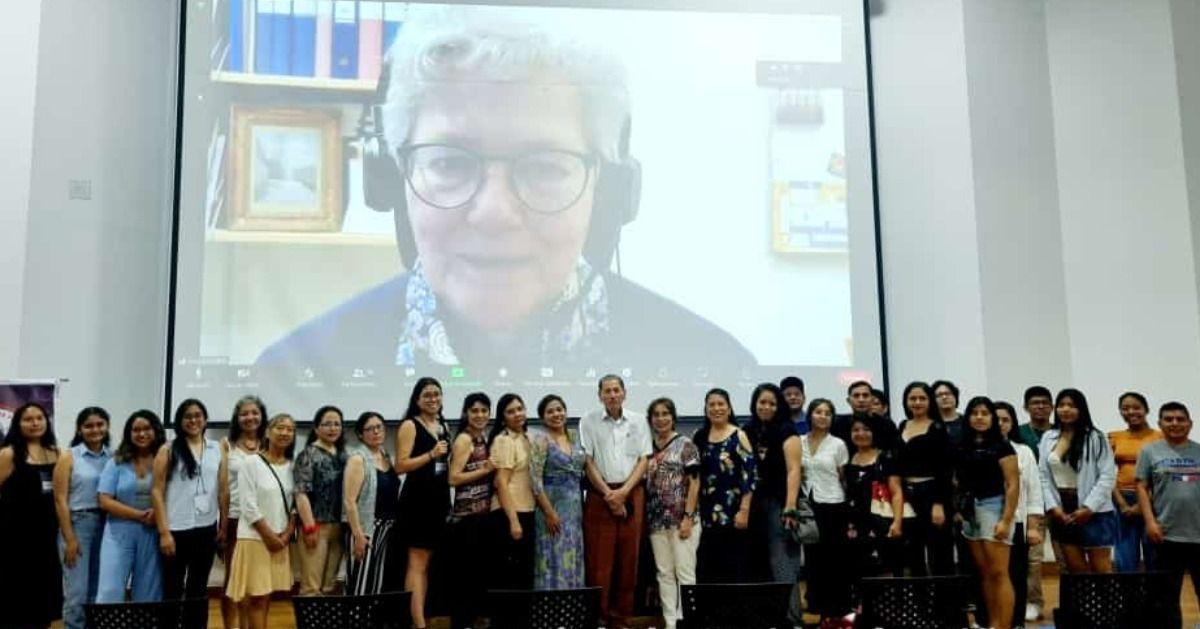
<point>1018,571</point>
<point>928,549</point>
<point>722,555</point>
<point>186,574</point>
<point>513,565</point>
<point>1177,558</point>
<point>829,562</point>
<point>468,547</point>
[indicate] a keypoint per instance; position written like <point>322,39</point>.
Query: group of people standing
<point>512,507</point>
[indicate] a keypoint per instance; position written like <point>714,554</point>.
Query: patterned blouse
<point>727,472</point>
<point>669,474</point>
<point>318,475</point>
<point>475,498</point>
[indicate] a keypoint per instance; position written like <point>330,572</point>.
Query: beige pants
<point>1033,582</point>
<point>676,562</point>
<point>319,565</point>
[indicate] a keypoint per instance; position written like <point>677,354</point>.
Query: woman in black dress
<point>422,443</point>
<point>31,581</point>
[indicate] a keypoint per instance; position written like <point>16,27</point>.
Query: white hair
<point>447,45</point>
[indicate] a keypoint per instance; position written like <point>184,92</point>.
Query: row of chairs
<point>1119,601</point>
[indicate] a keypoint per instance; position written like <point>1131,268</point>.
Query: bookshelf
<point>300,82</point>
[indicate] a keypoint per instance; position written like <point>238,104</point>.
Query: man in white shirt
<point>617,443</point>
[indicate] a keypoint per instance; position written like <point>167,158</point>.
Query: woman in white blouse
<point>1030,508</point>
<point>822,458</point>
<point>261,562</point>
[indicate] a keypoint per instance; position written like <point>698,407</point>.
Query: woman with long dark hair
<point>471,471</point>
<point>1078,475</point>
<point>728,478</point>
<point>1030,509</point>
<point>80,520</point>
<point>422,443</point>
<point>513,502</point>
<point>129,547</point>
<point>318,475</point>
<point>556,469</point>
<point>261,563</point>
<point>772,512</point>
<point>987,472</point>
<point>31,582</point>
<point>247,435</point>
<point>186,504</point>
<point>921,459</point>
<point>370,504</point>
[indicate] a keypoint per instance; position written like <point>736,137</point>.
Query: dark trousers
<point>611,545</point>
<point>186,574</point>
<point>1177,558</point>
<point>928,549</point>
<point>513,565</point>
<point>1018,571</point>
<point>722,555</point>
<point>468,547</point>
<point>829,562</point>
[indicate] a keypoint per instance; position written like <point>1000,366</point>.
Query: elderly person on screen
<point>503,150</point>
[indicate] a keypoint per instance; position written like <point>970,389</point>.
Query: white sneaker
<point>1032,612</point>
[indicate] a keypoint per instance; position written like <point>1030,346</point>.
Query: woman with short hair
<point>371,496</point>
<point>672,501</point>
<point>513,503</point>
<point>129,547</point>
<point>80,520</point>
<point>261,563</point>
<point>31,581</point>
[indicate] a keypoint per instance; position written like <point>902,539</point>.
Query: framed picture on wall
<point>285,170</point>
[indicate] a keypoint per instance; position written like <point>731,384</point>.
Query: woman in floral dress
<point>728,477</point>
<point>556,468</point>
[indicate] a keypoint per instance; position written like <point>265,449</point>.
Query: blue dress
<point>558,559</point>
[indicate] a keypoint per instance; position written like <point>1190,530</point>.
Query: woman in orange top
<point>1126,444</point>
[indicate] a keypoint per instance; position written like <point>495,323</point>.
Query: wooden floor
<point>281,611</point>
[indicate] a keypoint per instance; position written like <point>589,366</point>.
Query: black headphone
<point>617,192</point>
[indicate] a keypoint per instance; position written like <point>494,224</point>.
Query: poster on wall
<point>14,393</point>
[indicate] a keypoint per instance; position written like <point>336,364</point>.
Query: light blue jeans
<point>80,582</point>
<point>129,554</point>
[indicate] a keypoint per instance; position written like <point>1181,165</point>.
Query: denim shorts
<point>981,525</point>
<point>1100,531</point>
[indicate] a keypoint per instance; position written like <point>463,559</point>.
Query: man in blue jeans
<point>1168,485</point>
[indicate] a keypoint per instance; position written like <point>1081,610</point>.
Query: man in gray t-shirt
<point>1168,479</point>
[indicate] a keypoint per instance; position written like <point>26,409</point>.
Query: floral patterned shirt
<point>318,474</point>
<point>669,474</point>
<point>727,472</point>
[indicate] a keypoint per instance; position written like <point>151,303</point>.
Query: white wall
<point>1038,164</point>
<point>18,75</point>
<point>95,295</point>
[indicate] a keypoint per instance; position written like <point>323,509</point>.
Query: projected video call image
<point>530,197</point>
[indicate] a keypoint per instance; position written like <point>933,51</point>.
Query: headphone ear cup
<point>383,191</point>
<point>618,193</point>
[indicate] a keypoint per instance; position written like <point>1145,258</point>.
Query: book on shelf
<point>334,39</point>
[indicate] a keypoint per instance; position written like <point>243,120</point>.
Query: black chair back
<point>1124,600</point>
<point>550,609</point>
<point>913,602</point>
<point>375,611</point>
<point>736,606</point>
<point>180,614</point>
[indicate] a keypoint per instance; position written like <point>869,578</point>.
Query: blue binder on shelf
<point>304,38</point>
<point>345,40</point>
<point>281,37</point>
<point>264,23</point>
<point>236,61</point>
<point>393,19</point>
